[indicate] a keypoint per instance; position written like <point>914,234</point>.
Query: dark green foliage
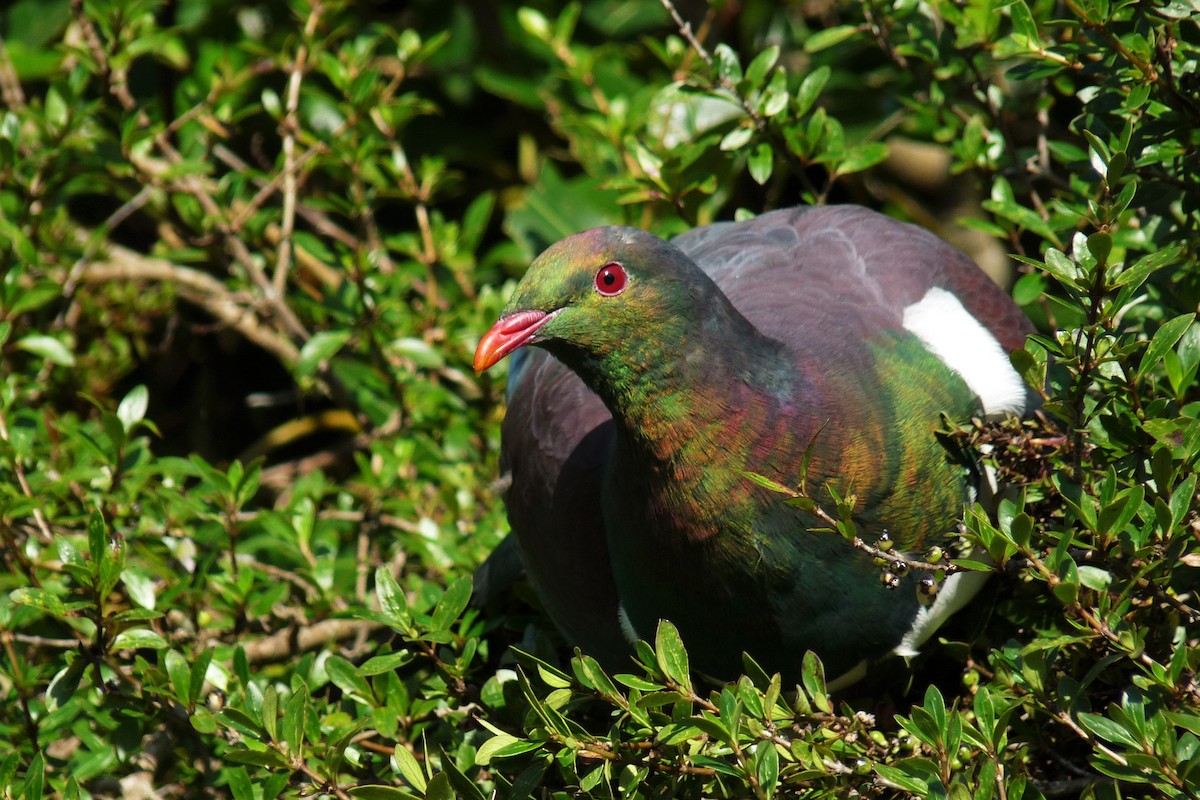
<point>246,252</point>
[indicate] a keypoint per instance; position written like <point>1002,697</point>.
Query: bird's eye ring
<point>611,279</point>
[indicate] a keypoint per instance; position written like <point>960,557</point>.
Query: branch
<point>882,551</point>
<point>10,84</point>
<point>290,124</point>
<point>283,645</point>
<point>685,30</point>
<point>196,287</point>
<point>22,481</point>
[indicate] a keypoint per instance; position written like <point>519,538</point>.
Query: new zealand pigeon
<point>665,371</point>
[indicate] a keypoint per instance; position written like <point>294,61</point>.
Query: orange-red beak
<point>508,334</point>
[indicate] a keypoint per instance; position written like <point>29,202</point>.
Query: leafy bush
<point>247,253</point>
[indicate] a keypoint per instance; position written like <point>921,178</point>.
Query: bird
<point>652,380</point>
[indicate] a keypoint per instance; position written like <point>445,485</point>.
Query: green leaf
<point>419,351</point>
<point>180,674</point>
<point>1190,722</point>
<point>200,673</point>
<point>635,682</point>
<point>452,604</point>
<point>241,722</point>
<point>47,347</point>
<point>1067,589</point>
<point>63,686</point>
<point>58,110</point>
<point>97,538</point>
<point>1147,265</point>
<point>775,97</point>
<point>380,792</point>
<point>757,72</point>
<point>239,783</point>
<point>935,704</point>
<point>534,23</point>
<point>346,677</point>
<point>671,655</point>
<point>35,777</point>
<point>736,139</point>
<point>33,298</point>
<point>863,156</point>
<point>768,767</point>
<point>766,483</point>
<point>713,726</point>
<point>463,787</point>
<point>404,762</point>
<point>392,602</point>
<point>319,349</point>
<point>440,788</point>
<point>812,678</point>
<point>258,758</point>
<point>41,599</point>
<point>1060,267</point>
<point>761,163</point>
<point>1108,730</point>
<point>137,639</point>
<point>292,727</point>
<point>1023,22</point>
<point>1119,513</point>
<point>132,408</point>
<point>270,712</point>
<point>1164,339</point>
<point>377,665</point>
<point>552,677</point>
<point>822,40</point>
<point>1100,246</point>
<point>139,587</point>
<point>500,746</point>
<point>271,103</point>
<point>19,241</point>
<point>1095,578</point>
<point>1029,288</point>
<point>590,674</point>
<point>729,65</point>
<point>903,779</point>
<point>811,88</point>
<point>1004,205</point>
<point>1181,500</point>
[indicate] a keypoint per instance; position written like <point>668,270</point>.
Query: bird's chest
<point>691,497</point>
<point>718,553</point>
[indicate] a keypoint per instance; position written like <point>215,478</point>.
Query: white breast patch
<point>939,320</point>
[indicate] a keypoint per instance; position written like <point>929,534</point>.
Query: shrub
<point>247,473</point>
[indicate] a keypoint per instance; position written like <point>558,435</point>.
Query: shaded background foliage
<point>247,251</point>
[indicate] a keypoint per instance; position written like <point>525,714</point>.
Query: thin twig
<point>285,644</point>
<point>153,171</point>
<point>22,481</point>
<point>894,559</point>
<point>94,240</point>
<point>1065,718</point>
<point>44,641</point>
<point>10,82</point>
<point>196,287</point>
<point>290,124</point>
<point>685,30</point>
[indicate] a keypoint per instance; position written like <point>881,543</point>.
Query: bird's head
<point>596,294</point>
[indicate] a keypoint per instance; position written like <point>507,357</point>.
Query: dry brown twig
<point>10,83</point>
<point>284,644</point>
<point>153,171</point>
<point>18,469</point>
<point>196,287</point>
<point>290,124</point>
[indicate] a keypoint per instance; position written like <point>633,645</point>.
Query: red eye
<point>611,279</point>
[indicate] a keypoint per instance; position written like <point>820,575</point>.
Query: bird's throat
<point>691,414</point>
